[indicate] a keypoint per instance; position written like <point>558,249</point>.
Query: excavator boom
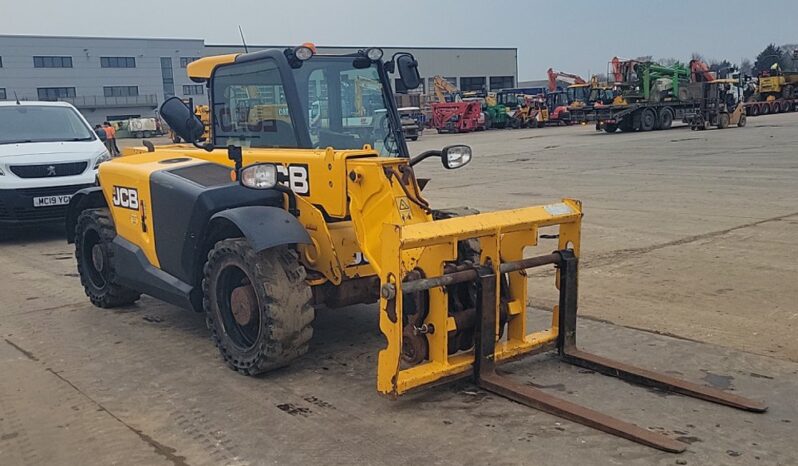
<point>570,78</point>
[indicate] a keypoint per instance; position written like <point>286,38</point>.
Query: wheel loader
<point>289,205</point>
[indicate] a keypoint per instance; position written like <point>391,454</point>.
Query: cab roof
<point>200,70</point>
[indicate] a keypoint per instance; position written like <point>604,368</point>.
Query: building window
<point>184,61</point>
<point>55,93</point>
<point>472,84</point>
<point>1,62</point>
<point>2,93</point>
<point>498,83</point>
<point>52,62</point>
<point>192,89</point>
<point>122,117</point>
<point>120,91</point>
<point>117,62</point>
<point>168,77</point>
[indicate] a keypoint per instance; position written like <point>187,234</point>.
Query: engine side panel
<point>183,201</point>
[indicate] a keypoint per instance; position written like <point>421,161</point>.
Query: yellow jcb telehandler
<point>280,211</point>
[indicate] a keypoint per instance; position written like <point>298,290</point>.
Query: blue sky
<point>576,36</point>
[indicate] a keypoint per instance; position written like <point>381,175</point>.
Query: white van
<point>47,152</point>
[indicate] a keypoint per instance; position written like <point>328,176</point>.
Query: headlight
<point>374,53</point>
<point>305,51</point>
<point>103,157</point>
<point>259,176</point>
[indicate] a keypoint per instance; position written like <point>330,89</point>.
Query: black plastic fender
<point>264,227</point>
<point>86,198</point>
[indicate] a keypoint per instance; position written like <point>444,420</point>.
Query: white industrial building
<point>118,78</point>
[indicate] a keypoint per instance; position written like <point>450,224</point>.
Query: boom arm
<point>699,71</point>
<point>567,77</point>
<point>443,87</point>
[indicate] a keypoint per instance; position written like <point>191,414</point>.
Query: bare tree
<point>746,66</point>
<point>697,56</point>
<point>668,61</point>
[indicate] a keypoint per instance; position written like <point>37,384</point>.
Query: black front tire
<point>278,329</point>
<point>94,233</point>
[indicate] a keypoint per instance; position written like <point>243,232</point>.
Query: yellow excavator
<point>267,219</point>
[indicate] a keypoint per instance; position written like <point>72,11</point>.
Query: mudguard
<point>86,198</point>
<point>265,227</point>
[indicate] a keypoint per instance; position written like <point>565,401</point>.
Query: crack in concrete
<point>27,354</point>
<point>622,254</point>
<point>160,449</point>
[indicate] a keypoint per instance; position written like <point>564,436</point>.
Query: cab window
<point>249,105</point>
<point>345,105</point>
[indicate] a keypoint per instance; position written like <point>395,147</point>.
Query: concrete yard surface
<point>689,264</point>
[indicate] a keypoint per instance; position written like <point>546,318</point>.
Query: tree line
<point>785,55</point>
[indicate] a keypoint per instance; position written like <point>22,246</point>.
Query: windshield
<point>34,123</point>
<point>343,105</point>
<point>579,93</point>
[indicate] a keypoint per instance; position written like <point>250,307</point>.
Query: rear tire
<point>648,119</point>
<point>268,324</point>
<point>610,127</point>
<point>94,233</point>
<point>764,108</point>
<point>753,110</point>
<point>665,118</point>
<point>775,106</point>
<point>742,122</point>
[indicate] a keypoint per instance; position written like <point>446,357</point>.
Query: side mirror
<point>182,120</point>
<point>408,70</point>
<point>456,156</point>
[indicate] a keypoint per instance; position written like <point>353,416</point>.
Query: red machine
<point>700,72</point>
<point>457,117</point>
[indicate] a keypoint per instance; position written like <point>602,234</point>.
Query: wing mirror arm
<point>454,156</point>
<point>425,155</point>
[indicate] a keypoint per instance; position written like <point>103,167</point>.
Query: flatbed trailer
<point>774,106</point>
<point>638,116</point>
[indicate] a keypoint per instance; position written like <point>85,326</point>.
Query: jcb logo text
<point>126,197</point>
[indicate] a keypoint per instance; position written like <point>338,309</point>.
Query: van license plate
<point>48,201</point>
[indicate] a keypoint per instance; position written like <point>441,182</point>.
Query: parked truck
<point>649,97</point>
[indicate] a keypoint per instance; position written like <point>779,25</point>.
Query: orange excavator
<point>570,78</point>
<point>699,72</point>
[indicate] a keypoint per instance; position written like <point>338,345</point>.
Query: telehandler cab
<point>305,194</point>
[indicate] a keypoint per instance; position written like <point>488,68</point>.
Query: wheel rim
<point>94,258</point>
<point>238,307</point>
